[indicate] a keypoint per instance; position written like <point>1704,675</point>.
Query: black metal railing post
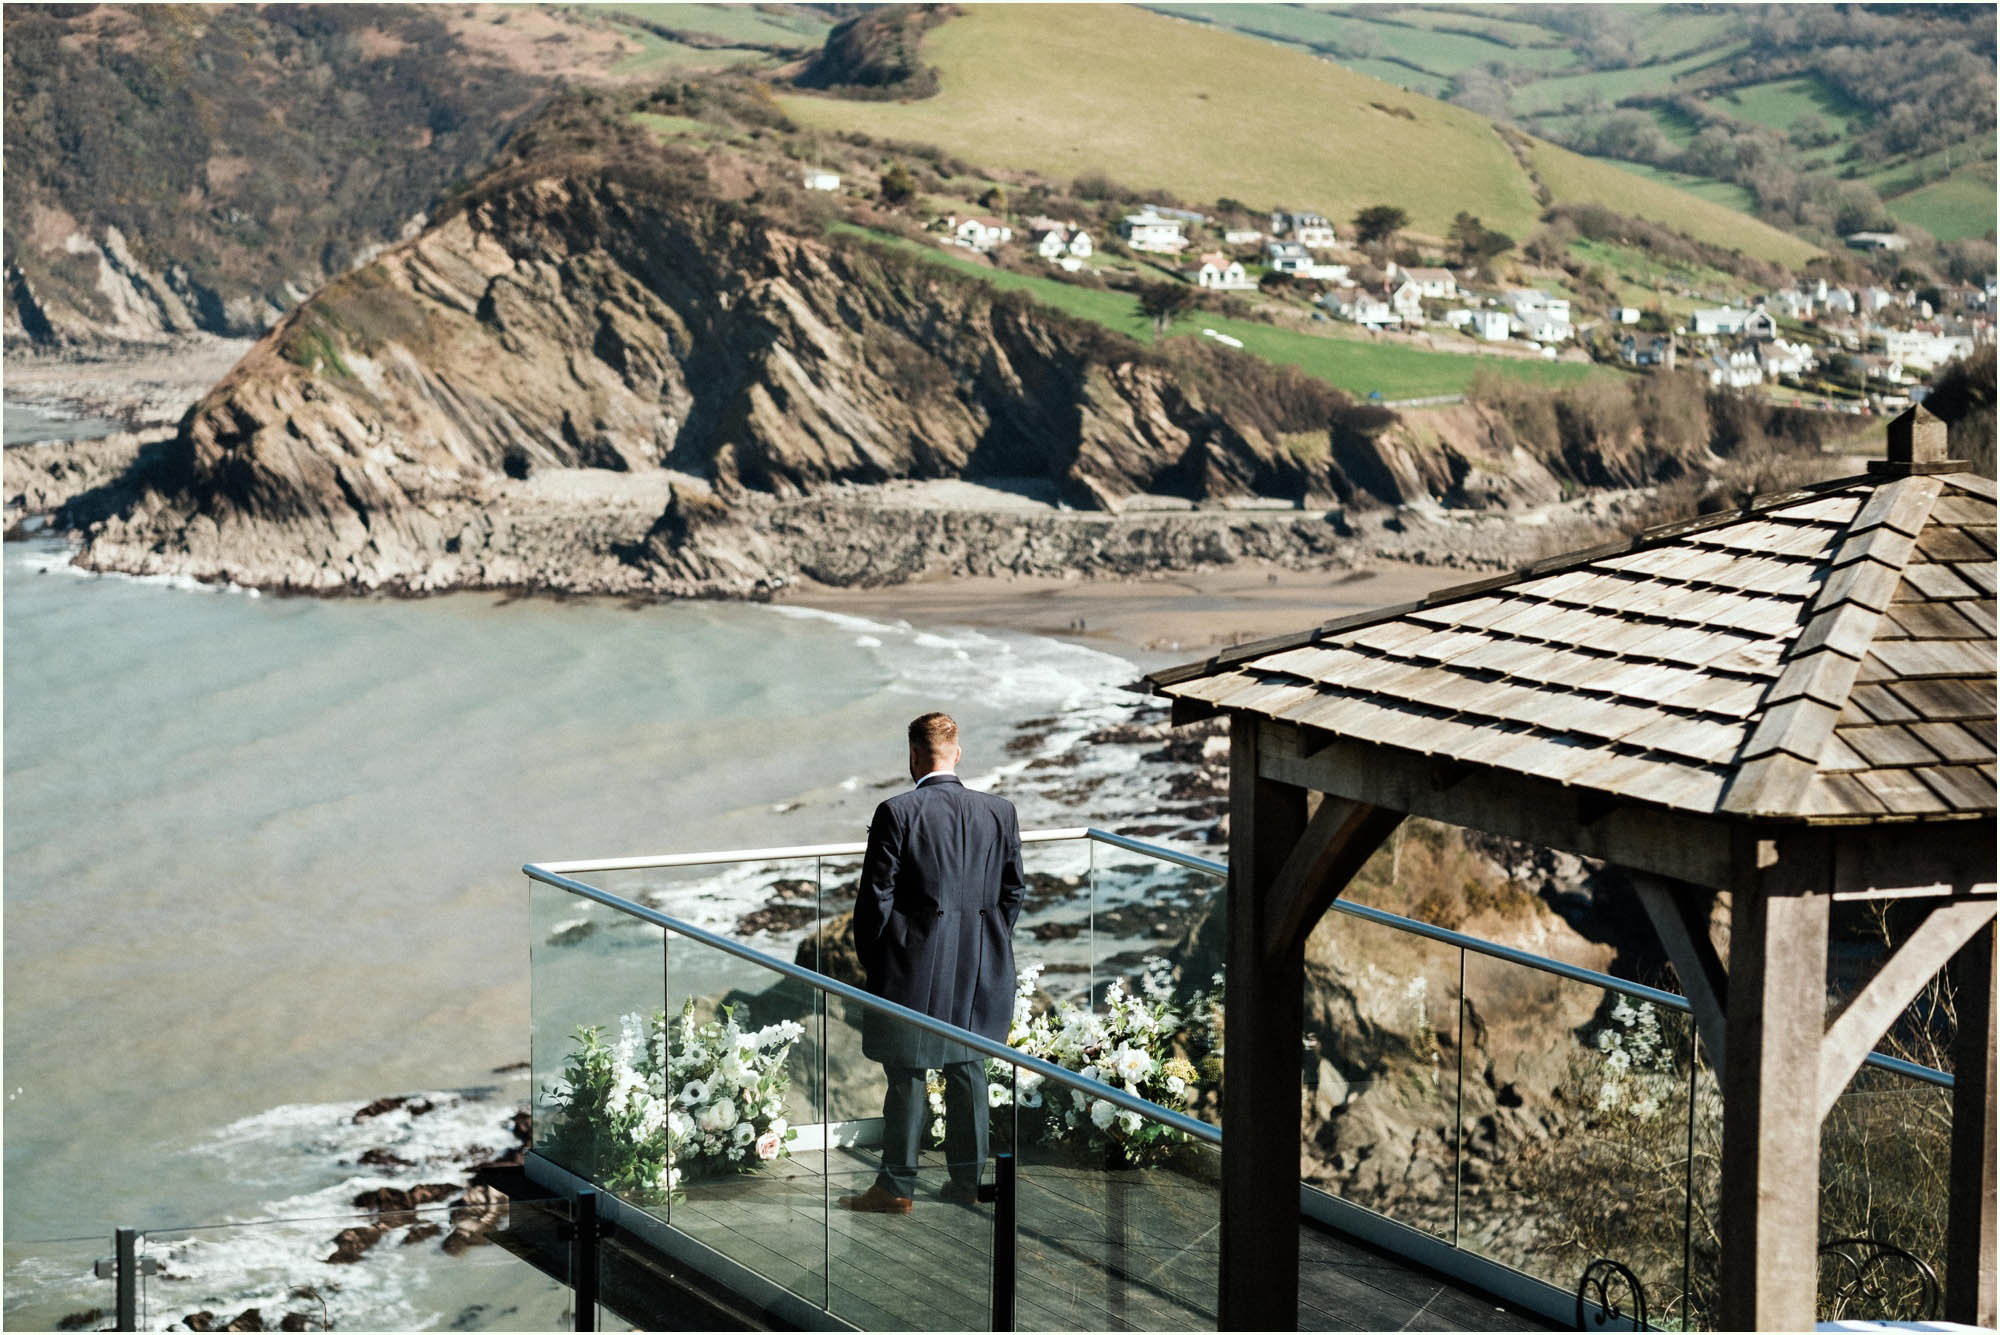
<point>583,1258</point>
<point>1003,1242</point>
<point>125,1242</point>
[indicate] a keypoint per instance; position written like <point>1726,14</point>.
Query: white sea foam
<point>53,558</point>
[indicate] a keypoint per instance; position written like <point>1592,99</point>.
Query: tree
<point>898,186</point>
<point>1378,222</point>
<point>1161,302</point>
<point>994,199</point>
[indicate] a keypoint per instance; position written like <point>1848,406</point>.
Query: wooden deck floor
<point>1095,1251</point>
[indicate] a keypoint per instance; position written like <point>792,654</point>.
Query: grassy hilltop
<point>1160,102</point>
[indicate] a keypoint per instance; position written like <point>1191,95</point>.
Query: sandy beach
<point>1155,622</point>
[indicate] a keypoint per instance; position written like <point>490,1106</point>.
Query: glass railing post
<point>1090,979</point>
<point>1687,1202</point>
<point>1003,1241</point>
<point>583,1258</point>
<point>819,916</point>
<point>125,1244</point>
<point>1458,1116</point>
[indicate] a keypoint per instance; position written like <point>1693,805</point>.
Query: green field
<point>734,23</point>
<point>1778,104</point>
<point>675,127</point>
<point>1611,85</point>
<point>1644,281</point>
<point>1958,206</point>
<point>1350,362</point>
<point>1726,193</point>
<point>1574,177</point>
<point>1066,89</point>
<point>1673,34</point>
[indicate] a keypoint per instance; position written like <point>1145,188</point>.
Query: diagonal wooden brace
<point>1868,1013</point>
<point>1341,835</point>
<point>1684,932</point>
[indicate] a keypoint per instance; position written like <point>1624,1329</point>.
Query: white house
<point>1054,240</point>
<point>1653,351</point>
<point>1625,314</point>
<point>1310,230</point>
<point>1838,299</point>
<point>1925,352</point>
<point>1779,358</point>
<point>819,180</point>
<point>1242,236</point>
<point>1286,257</point>
<point>1434,284</point>
<point>1737,370</point>
<point>1149,231</point>
<point>1541,327</point>
<point>1362,308</point>
<point>1407,300</point>
<point>1526,301</point>
<point>981,234</point>
<point>1874,299</point>
<point>1795,304</point>
<point>1721,320</point>
<point>1760,324</point>
<point>1221,273</point>
<point>1493,326</point>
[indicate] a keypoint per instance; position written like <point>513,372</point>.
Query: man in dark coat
<point>941,888</point>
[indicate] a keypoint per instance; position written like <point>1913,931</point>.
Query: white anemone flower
<point>694,1092</point>
<point>998,1096</point>
<point>718,1116</point>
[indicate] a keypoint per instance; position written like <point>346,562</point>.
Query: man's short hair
<point>933,734</point>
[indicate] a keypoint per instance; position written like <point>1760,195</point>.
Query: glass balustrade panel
<point>53,1284</point>
<point>1885,1173</point>
<point>451,1265</point>
<point>771,905</point>
<point>597,1006</point>
<point>1380,1089</point>
<point>1054,929</point>
<point>745,1111</point>
<point>1119,1218</point>
<point>929,1268</point>
<point>1574,1128</point>
<point>1149,909</point>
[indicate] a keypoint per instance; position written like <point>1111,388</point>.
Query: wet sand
<point>1155,622</point>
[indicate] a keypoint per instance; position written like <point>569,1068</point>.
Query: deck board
<point>1095,1250</point>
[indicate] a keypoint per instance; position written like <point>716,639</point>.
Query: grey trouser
<point>906,1115</point>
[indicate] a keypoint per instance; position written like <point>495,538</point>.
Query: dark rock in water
<point>380,1106</point>
<point>350,1243</point>
<point>793,888</point>
<point>1057,931</point>
<point>78,1320</point>
<point>199,1320</point>
<point>380,1158</point>
<point>421,1233</point>
<point>834,953</point>
<point>572,934</point>
<point>420,1107</point>
<point>511,1067</point>
<point>295,1321</point>
<point>250,1319</point>
<point>1129,734</point>
<point>1197,784</point>
<point>1046,889</point>
<point>776,918</point>
<point>522,1124</point>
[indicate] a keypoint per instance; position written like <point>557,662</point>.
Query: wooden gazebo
<point>1792,702</point>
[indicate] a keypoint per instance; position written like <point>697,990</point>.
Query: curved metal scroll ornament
<point>1868,1279</point>
<point>1604,1277</point>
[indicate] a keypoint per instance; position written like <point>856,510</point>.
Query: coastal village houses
<point>1221,273</point>
<point>1432,284</point>
<point>1922,350</point>
<point>1242,236</point>
<point>1310,230</point>
<point>981,234</point>
<point>1149,231</point>
<point>1539,316</point>
<point>1407,300</point>
<point>1059,241</point>
<point>1720,320</point>
<point>1733,370</point>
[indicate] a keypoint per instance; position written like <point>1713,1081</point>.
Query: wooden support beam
<point>1262,1026</point>
<point>1891,861</point>
<point>1682,845</point>
<point>1682,926</point>
<point>1969,1239</point>
<point>1770,1087</point>
<point>1867,1015</point>
<point>1341,836</point>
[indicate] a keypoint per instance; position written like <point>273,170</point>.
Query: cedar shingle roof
<point>1825,655</point>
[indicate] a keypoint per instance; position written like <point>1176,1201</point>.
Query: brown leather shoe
<point>877,1200</point>
<point>954,1193</point>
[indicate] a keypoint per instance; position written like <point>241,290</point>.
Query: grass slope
<point>1575,178</point>
<point>1959,206</point>
<point>1356,364</point>
<point>1066,89</point>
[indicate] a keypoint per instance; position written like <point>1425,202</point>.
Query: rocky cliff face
<point>569,344</point>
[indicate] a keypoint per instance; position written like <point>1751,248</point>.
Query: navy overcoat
<point>941,888</point>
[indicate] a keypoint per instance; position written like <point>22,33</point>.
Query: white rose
<point>1175,1084</point>
<point>998,1096</point>
<point>717,1116</point>
<point>1128,1120</point>
<point>1102,1113</point>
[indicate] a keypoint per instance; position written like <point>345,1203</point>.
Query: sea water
<point>262,854</point>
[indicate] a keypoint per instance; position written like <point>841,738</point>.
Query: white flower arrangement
<point>1131,1045</point>
<point>1637,1073</point>
<point>668,1101</point>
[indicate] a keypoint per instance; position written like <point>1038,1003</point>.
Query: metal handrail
<point>1381,917</point>
<point>964,1038</point>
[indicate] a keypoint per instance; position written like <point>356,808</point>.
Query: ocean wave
<point>60,559</point>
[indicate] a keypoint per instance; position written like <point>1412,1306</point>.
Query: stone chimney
<point>1917,445</point>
